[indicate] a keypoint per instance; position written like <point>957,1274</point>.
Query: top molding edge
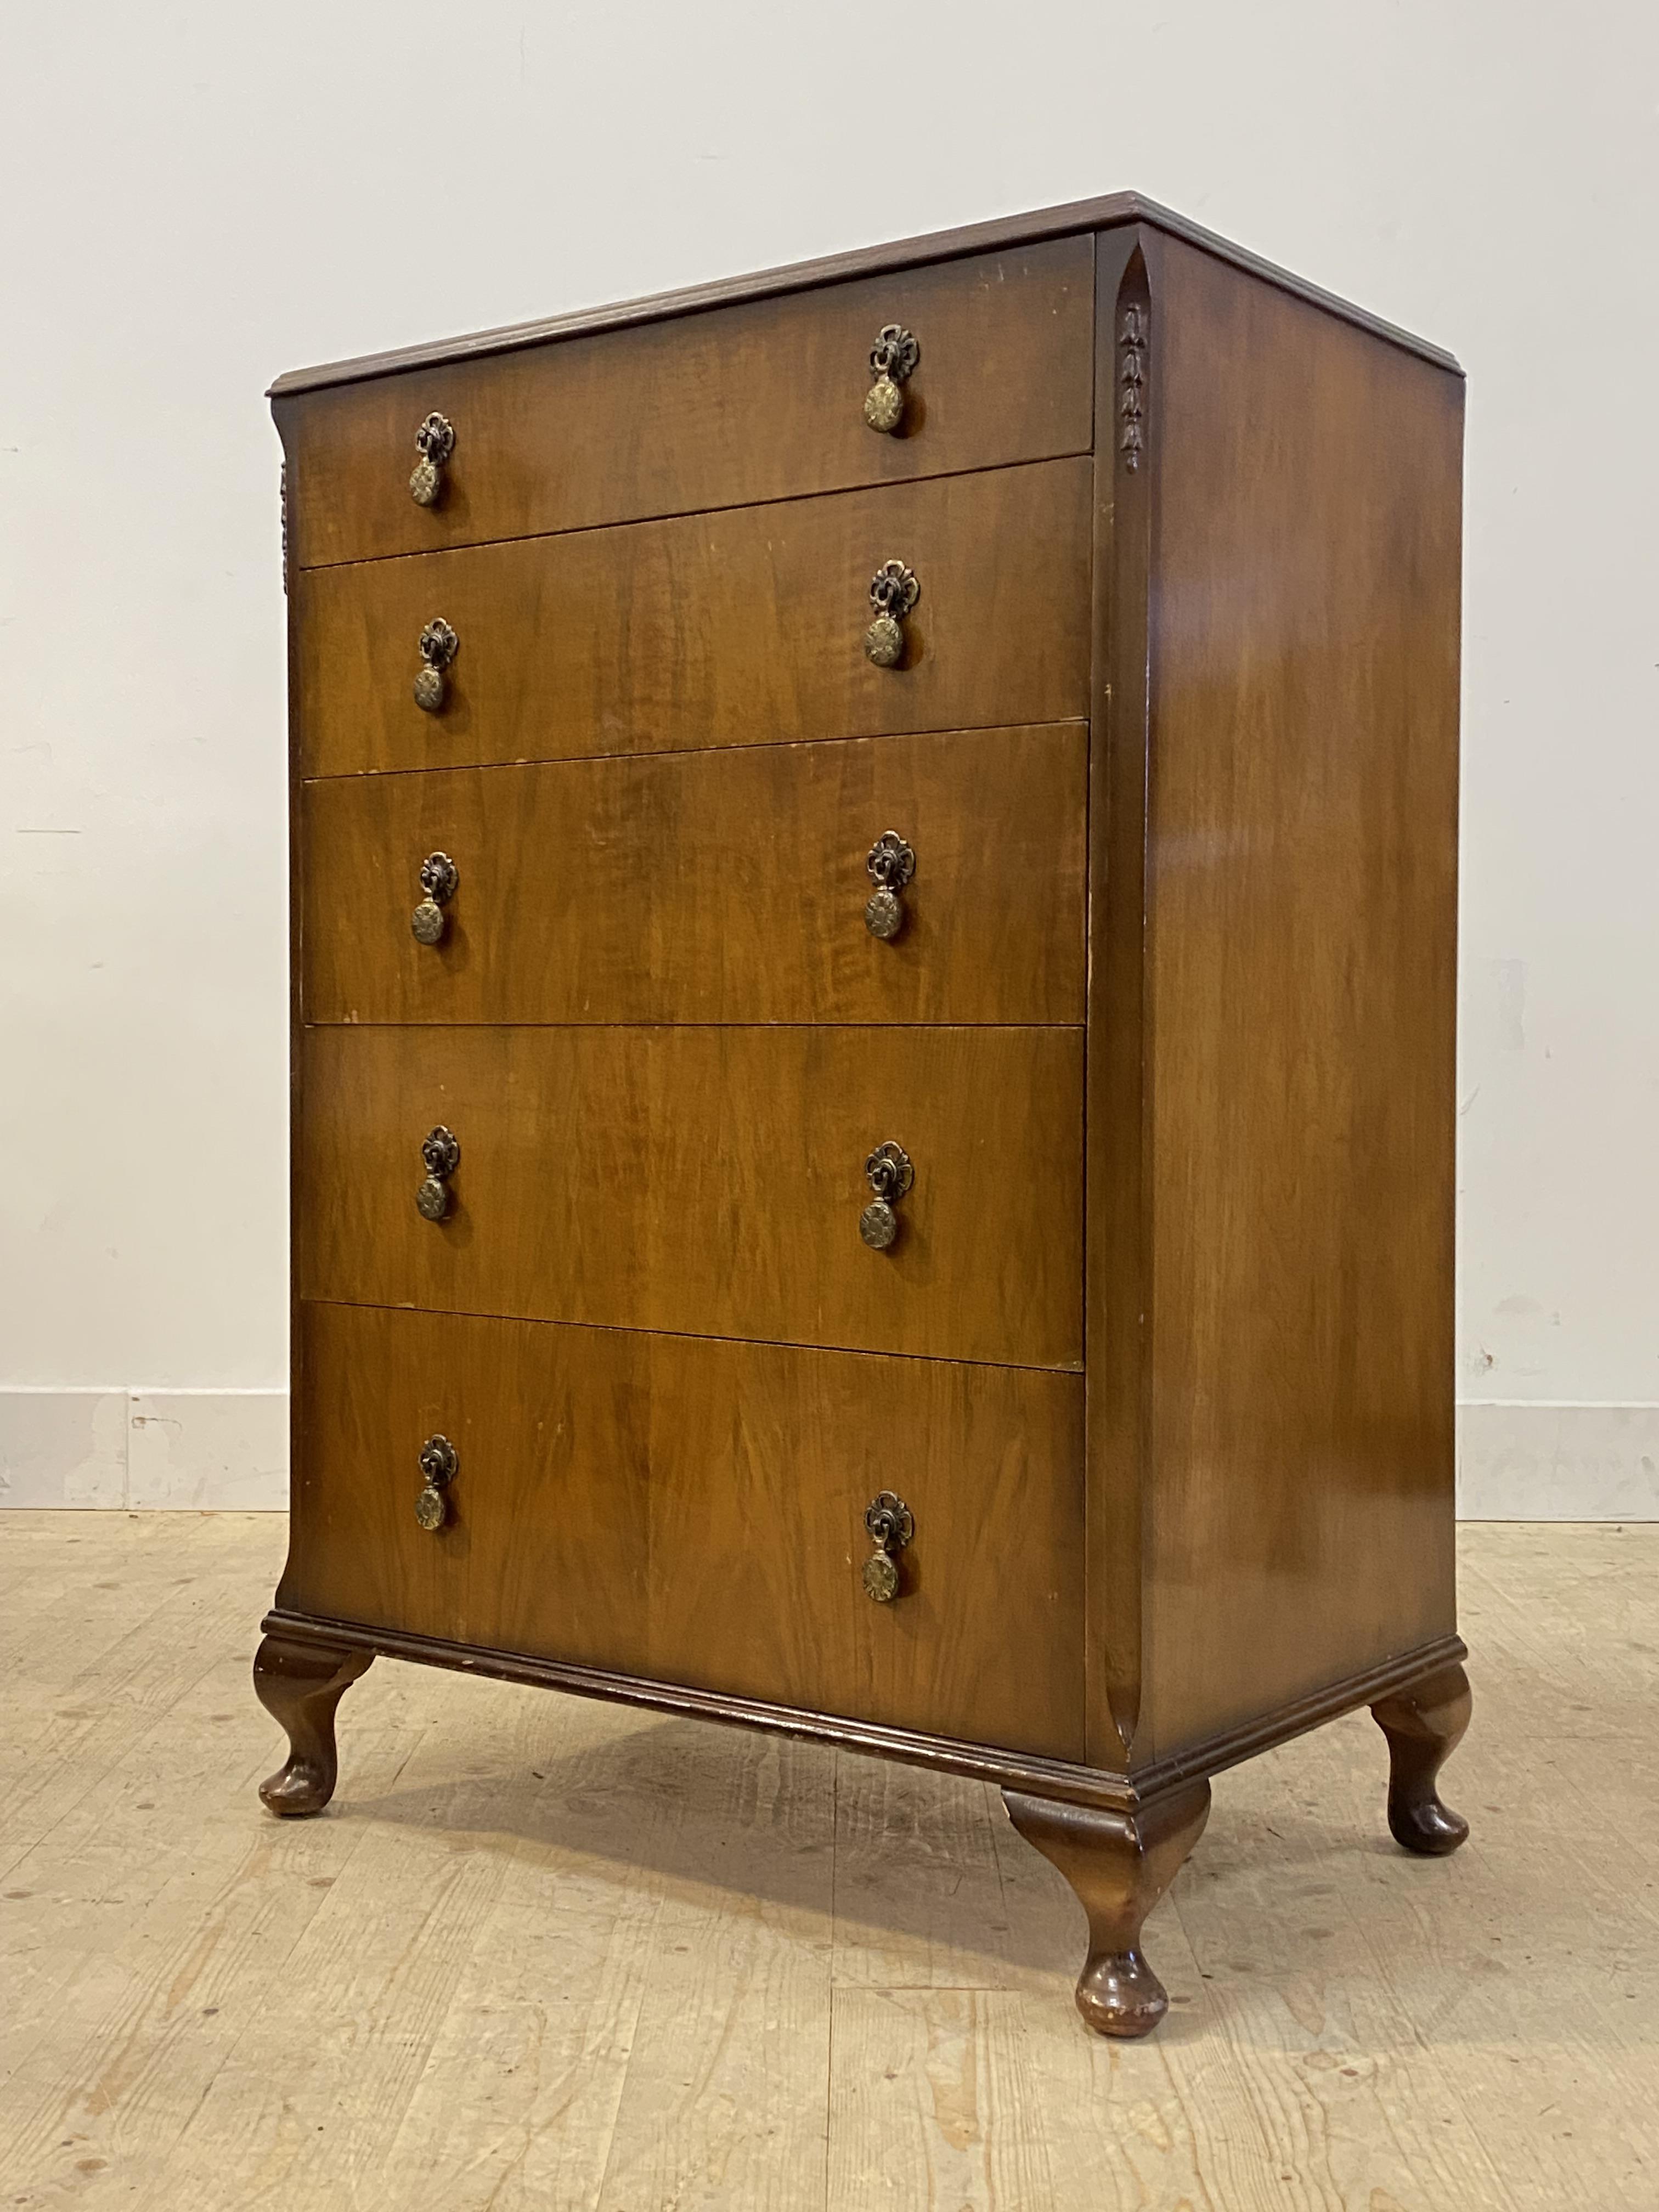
<point>1110,213</point>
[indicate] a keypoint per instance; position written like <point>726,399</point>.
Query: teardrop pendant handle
<point>893,358</point>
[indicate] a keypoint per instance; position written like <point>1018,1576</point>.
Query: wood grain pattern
<point>758,1541</point>
<point>1063,1780</point>
<point>543,2022</point>
<point>1056,1779</point>
<point>1224,536</point>
<point>694,1512</point>
<point>758,401</point>
<point>934,1915</point>
<point>720,629</point>
<point>703,2127</point>
<point>104,2062</point>
<point>301,1686</point>
<point>1103,213</point>
<point>379,1981</point>
<point>167,1594</point>
<point>447,1974</point>
<point>1119,1866</point>
<point>546,1541</point>
<point>710,887</point>
<point>927,2085</point>
<point>707,1180</point>
<point>1302,843</point>
<point>1115,1305</point>
<point>1424,1725</point>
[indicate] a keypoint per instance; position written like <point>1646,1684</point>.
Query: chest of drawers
<point>874,905</point>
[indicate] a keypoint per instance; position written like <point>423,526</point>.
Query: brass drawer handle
<point>434,441</point>
<point>893,357</point>
<point>890,865</point>
<point>441,1152</point>
<point>440,1463</point>
<point>440,878</point>
<point>893,592</point>
<point>438,646</point>
<point>890,1174</point>
<point>890,1525</point>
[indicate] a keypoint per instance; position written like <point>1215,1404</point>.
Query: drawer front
<point>707,1180</point>
<point>693,1512</point>
<point>724,408</point>
<point>545,1541</point>
<point>742,629</point>
<point>711,887</point>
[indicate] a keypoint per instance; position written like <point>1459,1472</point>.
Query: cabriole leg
<point>300,1685</point>
<point>1120,1864</point>
<point>1422,1723</point>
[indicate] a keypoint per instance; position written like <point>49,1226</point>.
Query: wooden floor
<point>548,1954</point>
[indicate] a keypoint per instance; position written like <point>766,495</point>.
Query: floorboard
<point>543,1952</point>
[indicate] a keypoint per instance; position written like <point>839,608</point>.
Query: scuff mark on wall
<point>1510,1004</point>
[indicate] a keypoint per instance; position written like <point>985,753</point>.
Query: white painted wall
<point>199,195</point>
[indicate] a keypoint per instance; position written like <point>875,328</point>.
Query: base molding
<point>1127,1793</point>
<point>140,1451</point>
<point>1528,1461</point>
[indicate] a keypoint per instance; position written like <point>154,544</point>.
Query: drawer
<point>707,1180</point>
<point>708,887</point>
<point>693,1512</point>
<point>724,408</point>
<point>545,1540</point>
<point>743,629</point>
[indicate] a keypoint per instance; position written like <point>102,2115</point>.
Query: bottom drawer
<point>692,1511</point>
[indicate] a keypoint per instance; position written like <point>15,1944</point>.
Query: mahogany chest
<point>874,889</point>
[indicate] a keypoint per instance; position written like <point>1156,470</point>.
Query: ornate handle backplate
<point>434,441</point>
<point>890,1174</point>
<point>893,357</point>
<point>890,865</point>
<point>441,1152</point>
<point>440,878</point>
<point>893,592</point>
<point>890,1525</point>
<point>440,1464</point>
<point>438,646</point>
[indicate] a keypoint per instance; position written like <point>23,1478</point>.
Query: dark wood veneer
<point>708,1180</point>
<point>693,1511</point>
<point>1424,1724</point>
<point>1214,1435</point>
<point>1111,211</point>
<point>1060,1780</point>
<point>727,886</point>
<point>740,629</point>
<point>1119,1864</point>
<point>751,401</point>
<point>300,1682</point>
<point>1299,1029</point>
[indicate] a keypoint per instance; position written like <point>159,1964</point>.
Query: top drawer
<point>733,405</point>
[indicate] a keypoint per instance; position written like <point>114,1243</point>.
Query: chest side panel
<point>1300,1009</point>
